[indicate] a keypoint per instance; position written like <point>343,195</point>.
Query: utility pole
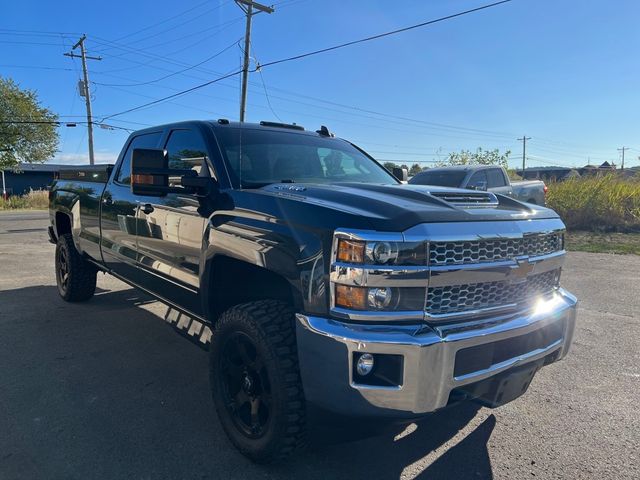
<point>85,89</point>
<point>524,151</point>
<point>4,187</point>
<point>247,7</point>
<point>623,149</point>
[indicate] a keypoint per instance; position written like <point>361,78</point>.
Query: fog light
<point>364,366</point>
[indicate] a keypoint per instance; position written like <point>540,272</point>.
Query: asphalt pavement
<point>107,390</point>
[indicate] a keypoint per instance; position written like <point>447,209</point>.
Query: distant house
<point>29,176</point>
<point>558,174</point>
<point>548,174</point>
<point>605,167</point>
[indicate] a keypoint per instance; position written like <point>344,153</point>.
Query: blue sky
<point>564,72</point>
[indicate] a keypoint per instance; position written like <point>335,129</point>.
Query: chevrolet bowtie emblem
<point>519,273</point>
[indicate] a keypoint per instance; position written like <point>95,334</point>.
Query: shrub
<point>35,199</point>
<point>602,204</point>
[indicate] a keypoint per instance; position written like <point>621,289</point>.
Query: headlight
<point>381,253</point>
<point>379,298</point>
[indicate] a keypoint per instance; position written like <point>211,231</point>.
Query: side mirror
<point>151,176</point>
<point>400,173</point>
<point>149,172</point>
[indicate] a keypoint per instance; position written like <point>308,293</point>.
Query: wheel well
<point>63,224</point>
<point>233,282</point>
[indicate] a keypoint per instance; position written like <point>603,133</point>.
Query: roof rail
<point>292,126</point>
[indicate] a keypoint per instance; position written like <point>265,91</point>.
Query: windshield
<point>442,178</point>
<point>260,157</point>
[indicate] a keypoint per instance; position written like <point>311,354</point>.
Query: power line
<point>162,22</point>
<point>178,94</point>
<point>385,34</point>
<point>10,31</point>
<point>37,67</point>
<point>148,50</point>
<point>13,42</point>
<point>430,22</point>
<point>173,73</point>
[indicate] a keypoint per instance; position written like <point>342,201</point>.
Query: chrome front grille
<point>480,251</point>
<point>468,270</point>
<point>475,296</point>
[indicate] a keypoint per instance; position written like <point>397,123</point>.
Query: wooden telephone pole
<point>247,6</point>
<point>85,89</point>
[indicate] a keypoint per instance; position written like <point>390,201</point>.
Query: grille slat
<point>460,298</point>
<point>480,251</point>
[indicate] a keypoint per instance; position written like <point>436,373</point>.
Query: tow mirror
<point>151,176</point>
<point>149,172</point>
<point>400,173</point>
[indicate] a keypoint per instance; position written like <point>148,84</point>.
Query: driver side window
<point>186,151</point>
<point>478,180</point>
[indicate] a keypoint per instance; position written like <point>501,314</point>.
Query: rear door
<point>118,221</point>
<point>170,229</point>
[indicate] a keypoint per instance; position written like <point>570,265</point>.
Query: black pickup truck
<point>315,277</point>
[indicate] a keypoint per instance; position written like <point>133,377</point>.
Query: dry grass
<point>598,204</point>
<point>622,243</point>
<point>34,200</point>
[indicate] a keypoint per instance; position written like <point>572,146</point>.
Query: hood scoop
<point>468,199</point>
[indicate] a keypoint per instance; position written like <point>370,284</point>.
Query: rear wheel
<point>255,380</point>
<point>75,276</point>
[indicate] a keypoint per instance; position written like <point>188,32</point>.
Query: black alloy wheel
<point>255,379</point>
<point>245,385</point>
<point>75,276</point>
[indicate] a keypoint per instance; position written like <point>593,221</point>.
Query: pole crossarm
<point>258,6</point>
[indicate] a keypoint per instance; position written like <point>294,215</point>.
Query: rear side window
<point>147,140</point>
<point>495,178</point>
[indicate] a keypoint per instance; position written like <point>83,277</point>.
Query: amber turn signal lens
<point>351,251</point>
<point>351,297</point>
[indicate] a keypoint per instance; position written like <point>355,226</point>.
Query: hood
<point>399,207</point>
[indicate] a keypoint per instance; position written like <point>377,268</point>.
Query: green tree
<point>479,157</point>
<point>24,142</point>
<point>389,165</point>
<point>415,169</point>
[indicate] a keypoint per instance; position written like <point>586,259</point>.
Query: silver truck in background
<point>483,177</point>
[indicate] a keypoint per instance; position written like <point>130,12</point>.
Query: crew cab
<point>314,277</point>
<point>483,177</point>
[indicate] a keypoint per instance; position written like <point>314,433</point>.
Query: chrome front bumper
<point>326,349</point>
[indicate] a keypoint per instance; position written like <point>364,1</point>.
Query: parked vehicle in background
<point>483,177</point>
<point>315,277</point>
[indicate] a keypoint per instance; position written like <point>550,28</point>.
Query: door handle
<point>107,200</point>
<point>147,208</point>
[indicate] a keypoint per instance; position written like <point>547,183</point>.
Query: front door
<point>118,219</point>
<point>170,229</point>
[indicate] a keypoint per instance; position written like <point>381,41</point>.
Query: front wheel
<point>75,277</point>
<point>255,380</point>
